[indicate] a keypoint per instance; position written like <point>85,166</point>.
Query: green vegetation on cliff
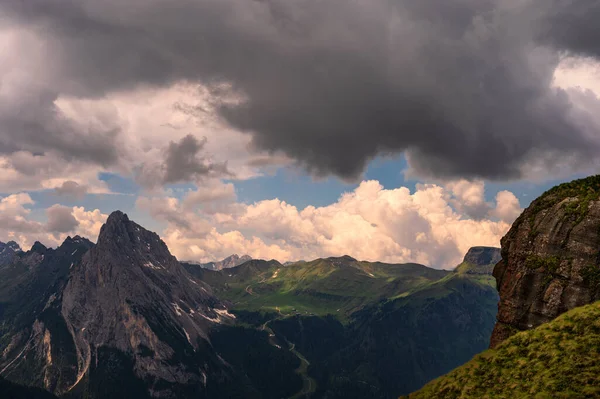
<point>560,359</point>
<point>582,190</point>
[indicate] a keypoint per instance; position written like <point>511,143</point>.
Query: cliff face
<point>550,258</point>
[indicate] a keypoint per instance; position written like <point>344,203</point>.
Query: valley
<point>124,318</point>
<point>126,311</point>
<point>300,199</point>
<point>336,311</point>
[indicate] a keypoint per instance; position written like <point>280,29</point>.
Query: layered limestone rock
<point>550,258</point>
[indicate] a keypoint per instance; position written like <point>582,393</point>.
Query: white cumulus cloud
<point>433,225</point>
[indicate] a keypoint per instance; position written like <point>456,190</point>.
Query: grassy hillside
<point>560,359</point>
<point>361,325</point>
<point>337,286</point>
<point>400,344</point>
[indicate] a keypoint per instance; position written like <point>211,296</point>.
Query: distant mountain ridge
<point>231,261</point>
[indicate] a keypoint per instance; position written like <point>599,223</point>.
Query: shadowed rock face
<point>8,252</point>
<point>35,345</point>
<point>131,295</point>
<point>122,310</point>
<point>550,258</point>
<point>123,319</point>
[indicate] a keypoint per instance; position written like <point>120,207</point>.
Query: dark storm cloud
<point>463,86</point>
<point>572,26</point>
<point>30,121</point>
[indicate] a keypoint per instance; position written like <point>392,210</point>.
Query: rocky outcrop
<point>481,256</point>
<point>550,258</point>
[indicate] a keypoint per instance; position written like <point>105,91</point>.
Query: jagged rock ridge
<point>125,294</point>
<point>34,340</point>
<point>550,258</point>
<point>8,252</point>
<point>131,295</point>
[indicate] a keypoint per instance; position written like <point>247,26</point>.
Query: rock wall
<point>550,258</point>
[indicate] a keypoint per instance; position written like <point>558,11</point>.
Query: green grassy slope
<point>560,359</point>
<point>338,286</point>
<point>400,344</point>
<point>368,329</point>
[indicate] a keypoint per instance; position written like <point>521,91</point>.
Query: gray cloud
<point>10,222</point>
<point>31,122</point>
<point>464,87</point>
<point>571,26</point>
<point>71,189</point>
<point>184,161</point>
<point>60,219</point>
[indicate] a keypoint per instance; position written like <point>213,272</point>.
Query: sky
<point>388,130</point>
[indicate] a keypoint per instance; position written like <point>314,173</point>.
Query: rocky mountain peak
<point>8,251</point>
<point>9,246</point>
<point>550,258</point>
<point>12,245</point>
<point>77,240</point>
<point>39,248</point>
<point>120,235</point>
<point>131,295</point>
<point>74,245</point>
<point>481,256</point>
<point>117,228</point>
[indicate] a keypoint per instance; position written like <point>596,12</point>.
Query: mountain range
<point>124,318</point>
<point>361,324</point>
